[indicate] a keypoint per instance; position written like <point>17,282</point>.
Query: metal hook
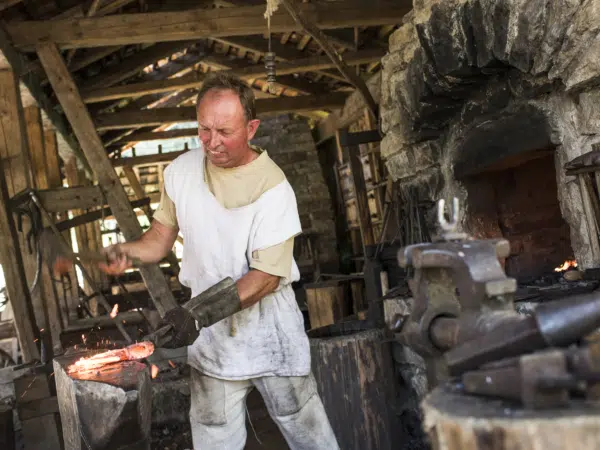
<point>454,214</point>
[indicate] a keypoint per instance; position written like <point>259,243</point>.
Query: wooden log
<point>328,302</point>
<point>10,255</point>
<point>71,198</point>
<point>37,152</point>
<point>310,64</point>
<point>458,422</point>
<point>198,24</point>
<point>147,159</point>
<point>352,362</point>
<point>161,116</point>
<point>105,409</point>
<point>83,127</point>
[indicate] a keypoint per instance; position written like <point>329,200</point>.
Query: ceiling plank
<point>158,116</point>
<point>134,64</point>
<point>312,28</point>
<point>309,64</point>
<point>258,45</point>
<point>83,127</point>
<point>198,23</point>
<point>144,136</point>
<point>140,136</point>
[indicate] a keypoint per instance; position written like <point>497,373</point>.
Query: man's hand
<point>118,260</point>
<point>176,329</point>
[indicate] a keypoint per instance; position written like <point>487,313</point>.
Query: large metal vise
<point>463,321</point>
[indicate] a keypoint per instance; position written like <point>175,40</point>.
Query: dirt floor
<point>264,436</point>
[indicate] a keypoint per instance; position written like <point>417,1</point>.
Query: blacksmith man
<point>238,216</point>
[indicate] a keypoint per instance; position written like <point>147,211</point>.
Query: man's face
<point>224,130</point>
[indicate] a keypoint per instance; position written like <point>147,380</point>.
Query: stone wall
<point>493,77</point>
<point>290,144</point>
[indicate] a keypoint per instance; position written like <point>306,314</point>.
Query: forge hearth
<point>487,101</point>
<point>107,408</point>
<point>519,202</point>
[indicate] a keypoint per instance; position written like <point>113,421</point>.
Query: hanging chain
<point>272,6</point>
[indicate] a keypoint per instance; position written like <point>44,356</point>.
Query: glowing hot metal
<point>134,351</point>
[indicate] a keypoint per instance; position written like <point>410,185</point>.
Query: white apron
<point>269,337</point>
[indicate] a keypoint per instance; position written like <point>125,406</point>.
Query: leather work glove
<point>176,329</point>
<point>180,326</point>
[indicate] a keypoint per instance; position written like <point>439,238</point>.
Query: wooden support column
<point>75,177</point>
<point>83,127</point>
<point>69,292</point>
<point>37,152</point>
<point>12,156</point>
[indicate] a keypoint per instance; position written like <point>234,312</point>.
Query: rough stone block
<point>525,32</point>
<point>426,154</point>
<point>398,165</point>
<point>445,37</point>
<point>559,15</point>
<point>391,143</point>
<point>581,32</point>
<point>403,38</point>
<point>589,112</point>
<point>585,70</point>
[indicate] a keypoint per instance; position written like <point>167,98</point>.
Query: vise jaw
<point>456,279</point>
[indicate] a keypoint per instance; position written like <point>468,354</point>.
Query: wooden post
<point>12,141</point>
<point>456,422</point>
<point>74,176</point>
<point>70,297</point>
<point>83,127</point>
<point>37,151</point>
<point>354,363</point>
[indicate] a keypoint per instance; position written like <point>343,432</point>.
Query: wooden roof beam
<point>309,64</point>
<point>198,23</point>
<point>134,64</point>
<point>83,127</point>
<point>159,116</point>
<point>258,45</point>
<point>139,136</point>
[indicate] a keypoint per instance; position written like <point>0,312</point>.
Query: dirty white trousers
<point>218,420</point>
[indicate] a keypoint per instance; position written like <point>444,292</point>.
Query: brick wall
<point>290,144</point>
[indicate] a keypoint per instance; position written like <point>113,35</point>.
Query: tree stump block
<point>354,371</point>
<point>109,408</point>
<point>455,421</point>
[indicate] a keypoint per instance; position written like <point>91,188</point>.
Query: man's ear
<point>252,127</point>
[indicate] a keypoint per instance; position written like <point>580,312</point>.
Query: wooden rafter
<point>140,136</point>
<point>311,63</point>
<point>159,116</point>
<point>196,24</point>
<point>83,126</point>
<point>312,28</point>
<point>134,64</point>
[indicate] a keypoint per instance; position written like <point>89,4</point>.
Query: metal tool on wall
<point>464,324</point>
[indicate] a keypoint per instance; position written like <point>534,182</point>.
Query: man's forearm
<point>152,246</point>
<point>254,286</point>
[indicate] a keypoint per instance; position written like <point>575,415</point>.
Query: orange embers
<point>154,370</point>
<point>132,352</point>
<point>566,265</point>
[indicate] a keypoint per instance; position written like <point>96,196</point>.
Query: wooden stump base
<point>455,421</point>
<point>107,410</point>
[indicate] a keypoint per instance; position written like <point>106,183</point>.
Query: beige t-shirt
<point>238,187</point>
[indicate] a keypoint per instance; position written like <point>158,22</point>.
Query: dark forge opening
<point>520,203</point>
<point>507,167</point>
